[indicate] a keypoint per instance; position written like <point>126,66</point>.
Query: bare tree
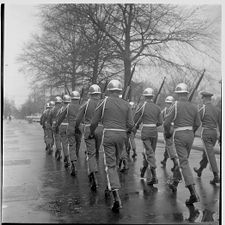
<point>162,36</point>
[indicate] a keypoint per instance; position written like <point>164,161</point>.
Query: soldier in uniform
<point>48,128</point>
<point>116,116</point>
<point>69,113</point>
<point>62,125</point>
<point>130,141</point>
<point>54,113</point>
<point>42,122</point>
<point>186,121</point>
<point>86,113</point>
<point>210,118</point>
<point>169,150</point>
<point>150,115</point>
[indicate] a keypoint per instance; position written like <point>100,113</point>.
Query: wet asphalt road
<point>37,188</point>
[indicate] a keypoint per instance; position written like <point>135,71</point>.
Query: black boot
<point>173,185</point>
<point>73,169</point>
<point>145,166</point>
<point>142,170</point>
<point>107,192</point>
<point>124,165</point>
<point>58,155</point>
<point>216,178</point>
<point>154,179</point>
<point>194,197</point>
<point>94,183</point>
<point>163,162</point>
<point>66,162</point>
<point>117,202</point>
<point>134,154</point>
<point>198,171</point>
<point>175,164</point>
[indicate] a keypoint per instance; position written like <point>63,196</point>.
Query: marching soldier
<point>54,114</point>
<point>169,150</point>
<point>130,141</point>
<point>150,115</point>
<point>42,122</point>
<point>186,121</point>
<point>210,118</point>
<point>48,128</point>
<point>116,116</point>
<point>68,115</point>
<point>62,125</point>
<point>86,113</point>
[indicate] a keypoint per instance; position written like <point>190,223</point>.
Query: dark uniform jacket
<point>115,113</point>
<point>183,113</point>
<point>210,116</point>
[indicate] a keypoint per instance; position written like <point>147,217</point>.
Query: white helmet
<point>181,88</point>
<point>131,104</point>
<point>94,89</point>
<point>66,99</point>
<point>114,85</point>
<point>148,92</point>
<point>51,103</point>
<point>169,99</point>
<point>75,95</point>
<point>48,105</point>
<point>58,99</point>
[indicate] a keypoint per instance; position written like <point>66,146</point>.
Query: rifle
<point>159,91</point>
<point>81,95</point>
<point>104,89</point>
<point>127,89</point>
<point>196,86</point>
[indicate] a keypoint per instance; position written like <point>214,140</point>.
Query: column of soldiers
<point>110,123</point>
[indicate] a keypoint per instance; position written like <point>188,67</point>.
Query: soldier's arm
<point>160,120</point>
<point>167,122</point>
<point>197,122</point>
<point>130,121</point>
<point>41,119</point>
<point>61,117</point>
<point>96,118</point>
<point>80,115</point>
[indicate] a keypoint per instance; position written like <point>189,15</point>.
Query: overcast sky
<point>21,20</point>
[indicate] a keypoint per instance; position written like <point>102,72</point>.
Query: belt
<point>64,123</point>
<point>88,125</point>
<point>183,128</point>
<point>114,129</point>
<point>210,128</point>
<point>149,125</point>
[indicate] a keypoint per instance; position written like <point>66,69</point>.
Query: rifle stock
<point>196,86</point>
<point>159,91</point>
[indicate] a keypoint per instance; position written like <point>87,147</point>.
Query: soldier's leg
<point>150,155</point>
<point>72,149</point>
<point>203,164</point>
<point>98,139</point>
<point>133,145</point>
<point>78,137</point>
<point>209,140</point>
<point>64,140</point>
<point>49,139</point>
<point>57,145</point>
<point>183,142</point>
<point>113,145</point>
<point>45,138</point>
<point>123,162</point>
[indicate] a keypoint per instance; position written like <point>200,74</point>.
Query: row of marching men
<point>111,122</point>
